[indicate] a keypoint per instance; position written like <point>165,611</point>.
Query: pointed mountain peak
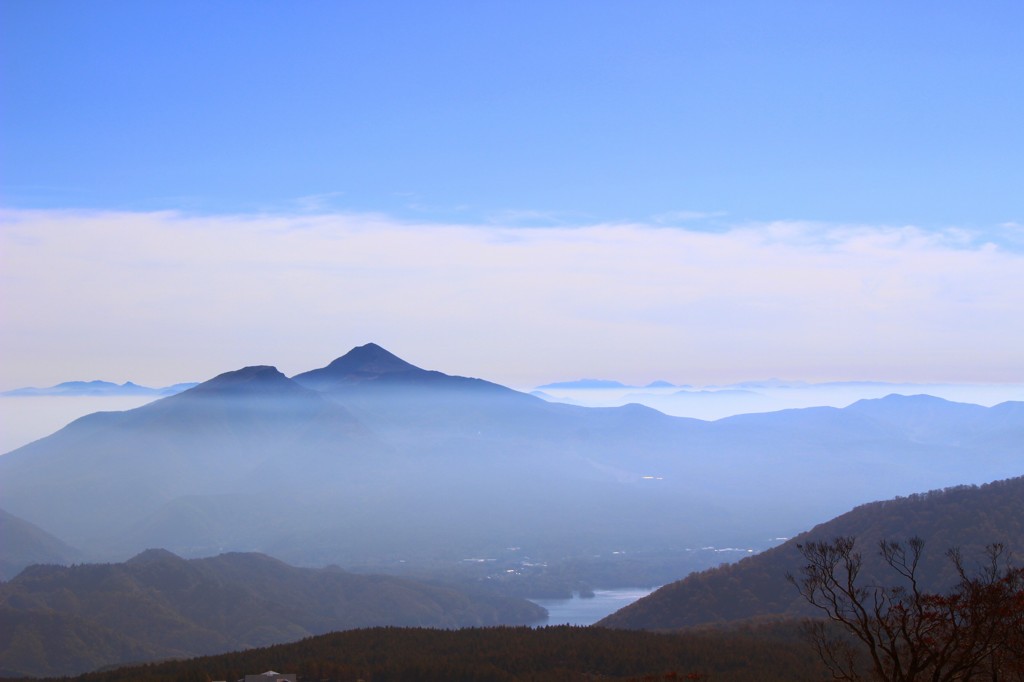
<point>154,556</point>
<point>370,359</point>
<point>369,363</point>
<point>371,368</point>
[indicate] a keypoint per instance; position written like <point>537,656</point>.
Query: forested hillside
<point>968,517</point>
<point>555,654</point>
<point>66,620</point>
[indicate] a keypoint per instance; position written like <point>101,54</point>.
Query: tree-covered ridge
<point>66,620</point>
<point>507,654</point>
<point>968,517</point>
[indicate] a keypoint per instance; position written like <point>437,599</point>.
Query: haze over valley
<point>372,461</point>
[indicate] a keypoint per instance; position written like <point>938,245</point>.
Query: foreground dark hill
<point>775,653</point>
<point>967,517</point>
<point>371,459</point>
<point>66,620</point>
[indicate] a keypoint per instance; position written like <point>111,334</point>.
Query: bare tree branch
<point>973,632</point>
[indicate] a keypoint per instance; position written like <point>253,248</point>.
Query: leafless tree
<point>902,633</point>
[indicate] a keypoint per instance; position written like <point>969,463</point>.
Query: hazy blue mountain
<point>98,388</point>
<point>371,457</point>
<point>66,620</point>
<point>928,419</point>
<point>968,517</point>
<point>396,398</point>
<point>703,394</point>
<point>371,366</point>
<point>585,383</point>
<point>252,432</point>
<point>23,544</point>
<point>766,383</point>
<point>598,384</point>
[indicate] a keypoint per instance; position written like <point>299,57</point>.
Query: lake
<point>588,611</point>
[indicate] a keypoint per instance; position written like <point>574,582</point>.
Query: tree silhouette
<point>900,632</point>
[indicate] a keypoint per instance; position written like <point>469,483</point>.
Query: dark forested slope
<point>968,517</point>
<point>60,620</point>
<point>554,654</point>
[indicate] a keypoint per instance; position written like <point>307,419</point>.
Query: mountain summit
<point>362,363</point>
<point>257,378</point>
<point>260,389</point>
<point>371,366</point>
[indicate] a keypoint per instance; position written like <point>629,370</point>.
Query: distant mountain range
<point>770,395</point>
<point>98,389</point>
<point>67,620</point>
<point>968,517</point>
<point>372,458</point>
<point>602,383</point>
<point>590,384</point>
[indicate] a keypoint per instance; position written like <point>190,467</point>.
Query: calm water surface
<point>578,611</point>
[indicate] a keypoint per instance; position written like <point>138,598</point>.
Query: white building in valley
<point>270,676</point>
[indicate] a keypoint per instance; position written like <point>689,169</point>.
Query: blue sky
<point>587,111</point>
<point>869,146</point>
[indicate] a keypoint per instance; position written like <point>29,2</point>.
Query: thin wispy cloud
<point>318,203</point>
<point>103,294</point>
<point>674,217</point>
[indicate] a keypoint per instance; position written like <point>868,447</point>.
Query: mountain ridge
<point>967,517</point>
<point>97,388</point>
<point>25,543</point>
<point>371,360</point>
<point>372,367</point>
<point>159,605</point>
<point>451,467</point>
